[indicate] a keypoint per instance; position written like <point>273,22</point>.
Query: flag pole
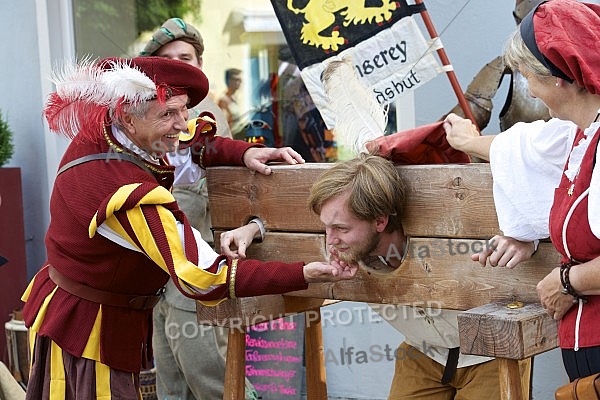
<point>462,101</point>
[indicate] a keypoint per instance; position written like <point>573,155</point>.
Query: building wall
<point>21,103</point>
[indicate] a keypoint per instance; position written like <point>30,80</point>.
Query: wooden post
<point>462,100</point>
<point>235,366</point>
<point>316,381</point>
<point>510,379</point>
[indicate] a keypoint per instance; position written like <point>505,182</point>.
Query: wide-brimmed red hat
<point>85,92</point>
<point>174,76</point>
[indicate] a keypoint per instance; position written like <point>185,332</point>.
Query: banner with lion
<point>383,42</point>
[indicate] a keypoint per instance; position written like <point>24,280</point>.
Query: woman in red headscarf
<point>547,171</point>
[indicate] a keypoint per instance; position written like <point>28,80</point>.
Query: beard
<point>356,253</point>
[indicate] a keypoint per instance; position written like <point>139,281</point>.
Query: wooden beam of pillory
<point>449,214</point>
<point>448,201</point>
<point>496,328</point>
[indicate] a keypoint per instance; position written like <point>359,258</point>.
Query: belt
<point>451,364</point>
<point>102,297</point>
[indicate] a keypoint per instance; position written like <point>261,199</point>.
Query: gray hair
<point>138,110</point>
<point>517,56</point>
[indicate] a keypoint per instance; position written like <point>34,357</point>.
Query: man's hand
<point>256,158</point>
<point>235,242</point>
<point>329,272</point>
<point>504,251</point>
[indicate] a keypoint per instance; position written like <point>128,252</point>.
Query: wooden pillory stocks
<point>444,203</point>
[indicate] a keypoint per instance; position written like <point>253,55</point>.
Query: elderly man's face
<point>348,237</point>
<point>158,132</point>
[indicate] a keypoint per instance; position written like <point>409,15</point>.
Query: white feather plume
<point>128,83</point>
<point>76,81</point>
<point>85,81</point>
<point>359,117</point>
<point>85,91</point>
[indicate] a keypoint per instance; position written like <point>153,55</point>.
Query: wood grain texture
<point>437,270</point>
<point>442,200</point>
<point>511,333</point>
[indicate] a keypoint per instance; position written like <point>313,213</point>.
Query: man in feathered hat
<point>178,372</point>
<point>117,234</point>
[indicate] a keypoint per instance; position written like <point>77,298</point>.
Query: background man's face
<point>235,81</point>
<point>180,50</point>
<point>348,237</point>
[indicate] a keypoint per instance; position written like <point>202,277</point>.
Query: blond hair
<point>374,186</point>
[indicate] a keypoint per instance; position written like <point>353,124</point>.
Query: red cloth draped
<point>426,144</point>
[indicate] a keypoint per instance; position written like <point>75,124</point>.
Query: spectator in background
<point>301,123</point>
<point>228,102</point>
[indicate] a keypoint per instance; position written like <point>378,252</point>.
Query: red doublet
<point>84,190</point>
<point>583,246</point>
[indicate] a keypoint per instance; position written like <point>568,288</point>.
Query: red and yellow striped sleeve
<point>145,215</point>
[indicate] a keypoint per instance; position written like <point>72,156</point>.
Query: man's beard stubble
<point>354,254</point>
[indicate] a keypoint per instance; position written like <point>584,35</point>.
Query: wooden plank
<point>286,247</point>
<point>316,376</point>
<point>278,199</point>
<point>243,312</point>
<point>235,366</point>
<point>434,271</point>
<point>457,199</point>
<point>512,333</point>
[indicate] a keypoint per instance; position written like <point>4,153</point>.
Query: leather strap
<point>451,364</point>
<point>585,388</point>
<point>102,297</point>
<point>105,157</point>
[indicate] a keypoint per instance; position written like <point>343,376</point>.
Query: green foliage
<point>152,13</point>
<point>6,145</point>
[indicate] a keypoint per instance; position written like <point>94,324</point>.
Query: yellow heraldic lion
<point>320,14</point>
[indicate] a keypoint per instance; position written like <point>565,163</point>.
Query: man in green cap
<point>189,360</point>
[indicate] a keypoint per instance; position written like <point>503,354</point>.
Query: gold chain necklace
<point>119,149</point>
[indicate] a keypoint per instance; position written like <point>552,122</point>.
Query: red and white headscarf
<point>564,35</point>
